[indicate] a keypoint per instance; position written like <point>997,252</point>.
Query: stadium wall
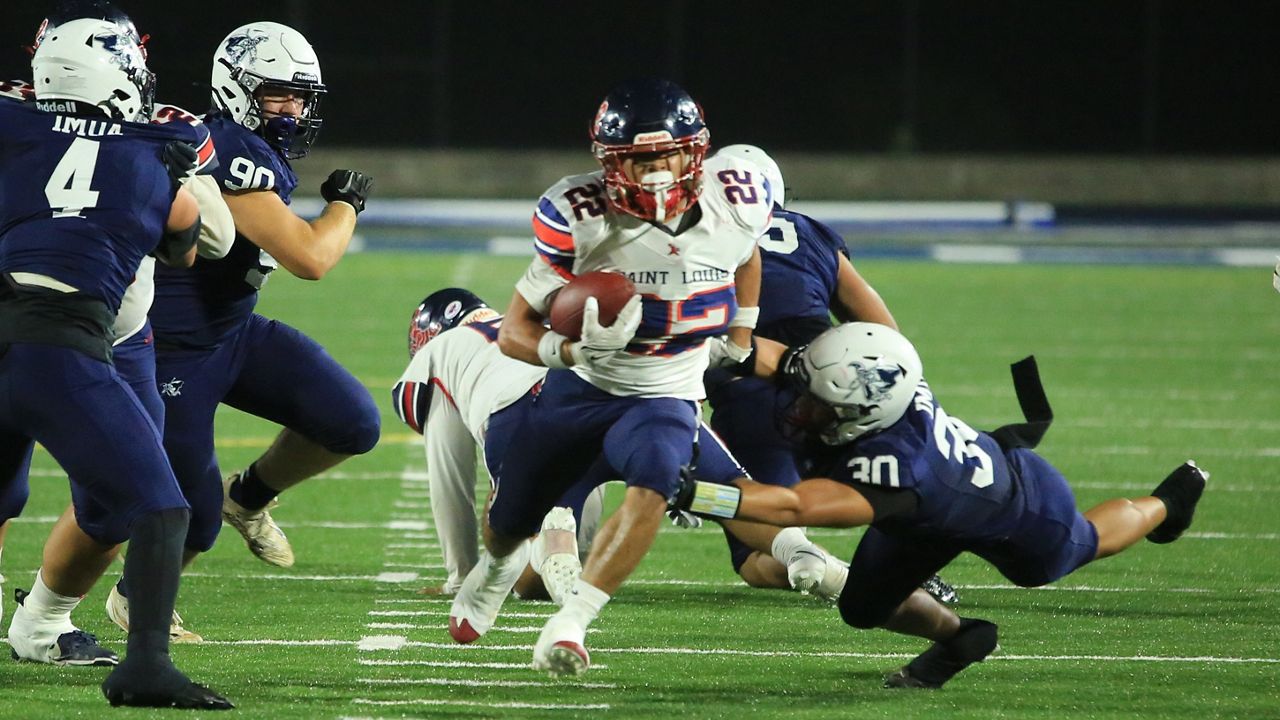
<point>1060,180</point>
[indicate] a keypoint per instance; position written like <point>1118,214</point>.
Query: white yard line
<point>471,703</point>
<point>483,683</point>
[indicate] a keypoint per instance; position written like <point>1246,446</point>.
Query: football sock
<point>584,603</point>
<point>250,492</point>
<point>153,568</point>
<point>787,542</point>
<point>45,606</point>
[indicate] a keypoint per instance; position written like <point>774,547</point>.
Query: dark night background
<point>1155,77</point>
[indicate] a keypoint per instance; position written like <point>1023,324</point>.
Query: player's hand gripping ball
<point>611,291</point>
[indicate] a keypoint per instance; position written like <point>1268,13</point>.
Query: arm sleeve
<point>451,479</point>
<point>217,229</point>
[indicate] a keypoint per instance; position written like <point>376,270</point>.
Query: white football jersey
<point>464,369</point>
<point>686,280</point>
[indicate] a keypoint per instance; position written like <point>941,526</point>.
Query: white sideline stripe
<point>381,642</point>
<point>472,703</point>
<point>445,613</point>
<point>483,683</point>
<point>459,664</point>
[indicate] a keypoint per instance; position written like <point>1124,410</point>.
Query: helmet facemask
<point>266,59</point>
<point>292,135</point>
<point>657,196</point>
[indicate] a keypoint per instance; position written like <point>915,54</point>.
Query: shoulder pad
<point>18,90</point>
<point>172,113</point>
<point>741,187</point>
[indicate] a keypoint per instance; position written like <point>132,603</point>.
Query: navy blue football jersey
<point>201,307</point>
<point>800,263</point>
<point>82,198</point>
<point>959,475</point>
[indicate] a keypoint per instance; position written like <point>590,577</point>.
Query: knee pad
<point>863,611</point>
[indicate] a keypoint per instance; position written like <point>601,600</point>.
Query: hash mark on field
<point>396,577</point>
<point>381,642</point>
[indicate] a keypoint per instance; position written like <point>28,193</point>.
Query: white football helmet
<point>275,56</point>
<point>94,62</point>
<point>768,167</point>
<point>856,378</point>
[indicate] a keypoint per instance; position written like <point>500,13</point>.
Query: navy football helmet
<point>444,310</point>
<point>650,116</point>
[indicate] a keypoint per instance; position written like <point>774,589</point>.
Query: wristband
<point>549,350</point>
<point>746,317</point>
<point>715,500</point>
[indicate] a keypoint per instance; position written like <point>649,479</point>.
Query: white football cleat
<point>118,611</point>
<point>265,539</point>
<point>561,648</point>
<point>813,571</point>
<point>806,568</point>
<point>555,554</point>
<point>476,606</point>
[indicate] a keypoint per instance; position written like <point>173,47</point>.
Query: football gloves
<point>725,353</point>
<point>180,160</point>
<point>600,342</point>
<point>348,186</point>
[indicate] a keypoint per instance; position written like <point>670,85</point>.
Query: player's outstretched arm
<point>306,249</point>
<point>746,282</point>
<point>826,503</point>
<point>856,300</point>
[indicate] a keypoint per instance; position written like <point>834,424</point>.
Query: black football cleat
<point>155,682</point>
<point>941,590</point>
<point>932,668</point>
<point>1179,492</point>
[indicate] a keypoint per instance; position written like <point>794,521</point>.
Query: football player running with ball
<point>685,234</point>
<point>213,348</point>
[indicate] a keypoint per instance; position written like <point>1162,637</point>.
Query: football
<point>610,289</point>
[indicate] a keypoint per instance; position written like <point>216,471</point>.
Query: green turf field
<point>1146,366</point>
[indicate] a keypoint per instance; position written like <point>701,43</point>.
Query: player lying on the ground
<point>931,487</point>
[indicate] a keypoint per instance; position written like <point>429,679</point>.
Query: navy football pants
<point>267,369</point>
<point>539,449</point>
<point>93,425</point>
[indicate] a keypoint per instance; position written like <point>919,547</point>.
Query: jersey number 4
<point>68,189</point>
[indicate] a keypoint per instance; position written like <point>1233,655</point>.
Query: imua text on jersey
<point>85,127</point>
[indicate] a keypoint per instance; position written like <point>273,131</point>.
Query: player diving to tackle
<point>930,487</point>
<point>686,236</point>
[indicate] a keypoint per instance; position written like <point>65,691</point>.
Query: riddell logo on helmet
<point>652,137</point>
